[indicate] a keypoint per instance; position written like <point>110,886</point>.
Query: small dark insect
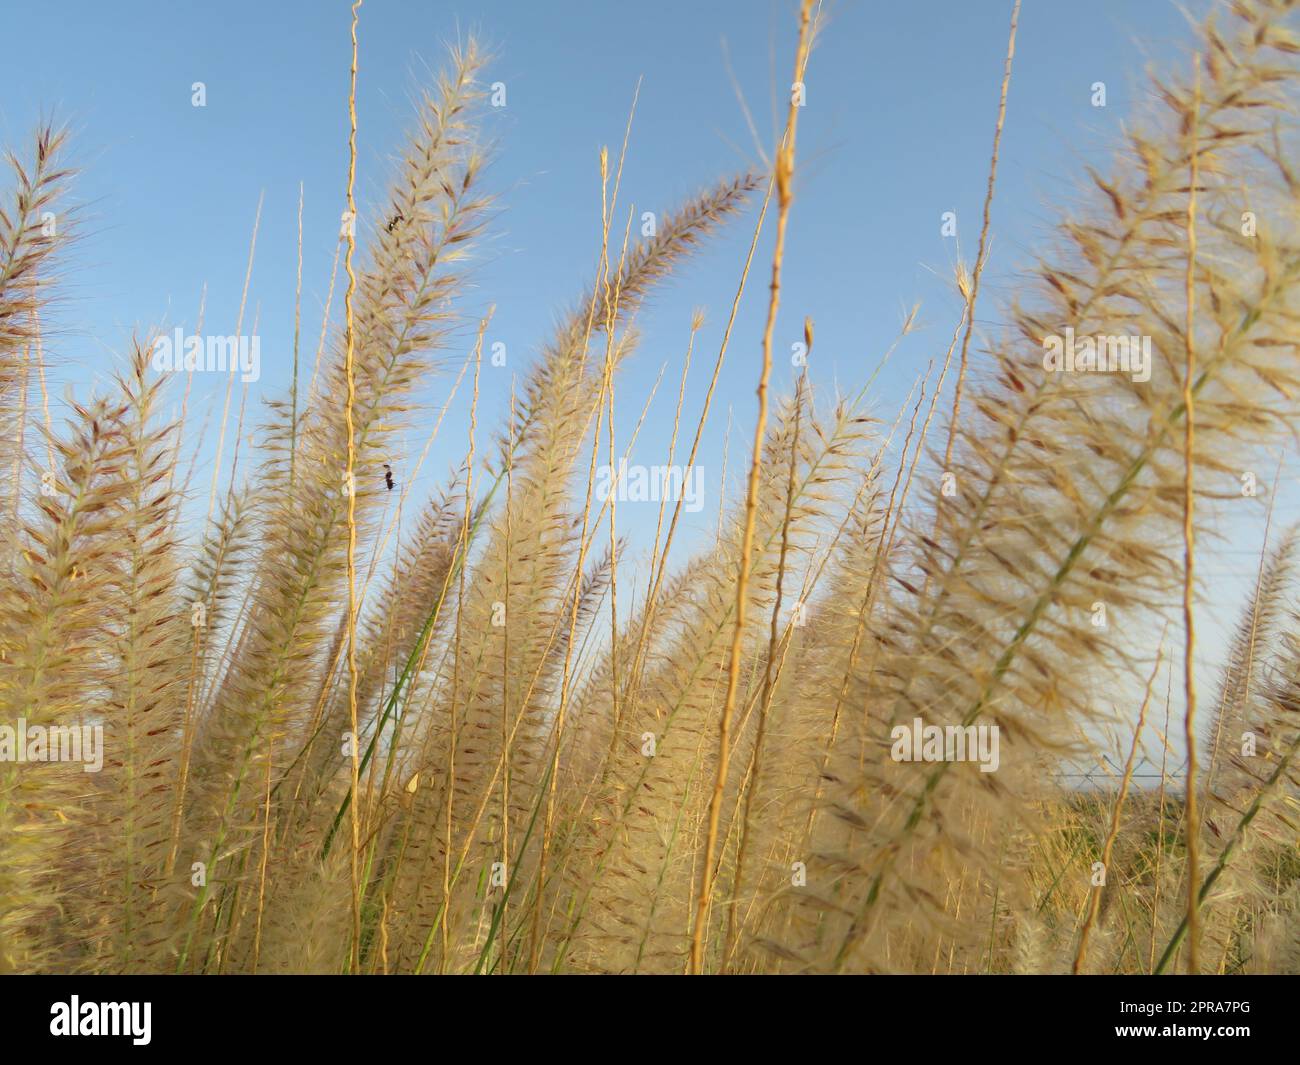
<point>388,476</point>
<point>395,219</point>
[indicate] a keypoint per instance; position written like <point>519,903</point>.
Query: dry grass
<point>566,763</point>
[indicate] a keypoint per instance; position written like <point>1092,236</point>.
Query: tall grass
<point>497,741</point>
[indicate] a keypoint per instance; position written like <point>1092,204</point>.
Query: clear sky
<point>902,99</point>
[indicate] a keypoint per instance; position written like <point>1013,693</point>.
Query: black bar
<point>778,1015</point>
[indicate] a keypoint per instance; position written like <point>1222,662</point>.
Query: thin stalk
<point>1191,818</point>
<point>352,499</point>
<point>784,172</point>
<point>1094,905</point>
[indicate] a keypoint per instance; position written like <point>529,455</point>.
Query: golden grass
<point>569,759</point>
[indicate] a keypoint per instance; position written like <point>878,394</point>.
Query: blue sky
<point>902,99</point>
<point>901,104</point>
